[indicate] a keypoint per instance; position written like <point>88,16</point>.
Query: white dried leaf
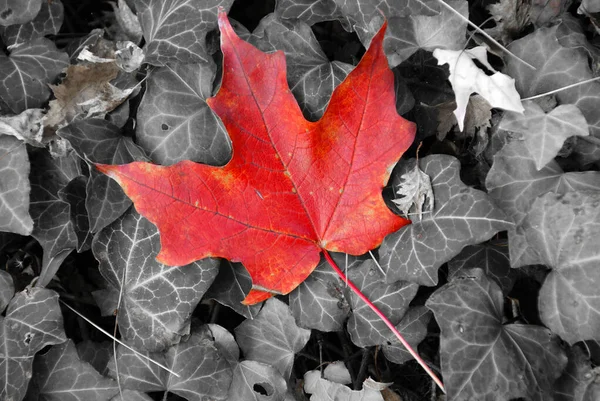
<point>129,56</point>
<point>26,126</point>
<point>416,192</point>
<point>466,78</point>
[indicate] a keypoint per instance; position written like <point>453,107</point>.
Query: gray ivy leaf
<point>75,195</point>
<point>26,73</point>
<point>365,16</point>
<point>230,288</point>
<point>51,215</point>
<point>444,30</point>
<point>364,326</point>
<point>579,381</point>
<point>99,141</point>
<point>514,183</point>
<point>130,395</point>
<point>60,375</point>
<point>47,22</point>
<point>558,67</point>
<point>7,289</point>
<point>484,359</point>
<point>462,216</point>
<point>320,302</point>
<point>18,11</point>
<point>564,230</point>
<point>96,354</point>
<point>250,376</point>
<point>203,372</point>
<point>325,390</point>
<point>311,11</point>
<point>174,121</point>
<point>544,134</point>
<point>311,76</point>
<point>157,301</point>
<point>33,320</point>
<point>413,327</point>
<point>15,188</point>
<point>175,30</point>
<point>225,343</point>
<point>272,337</point>
<point>492,257</point>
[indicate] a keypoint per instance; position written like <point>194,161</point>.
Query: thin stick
<point>385,320</point>
<point>561,89</point>
<point>106,333</point>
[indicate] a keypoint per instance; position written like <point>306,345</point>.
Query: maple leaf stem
<point>385,320</point>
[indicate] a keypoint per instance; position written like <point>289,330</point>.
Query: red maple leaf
<point>293,187</point>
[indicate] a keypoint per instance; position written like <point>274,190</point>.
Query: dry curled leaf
<point>86,91</point>
<point>416,193</point>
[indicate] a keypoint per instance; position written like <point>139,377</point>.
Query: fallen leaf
<point>477,117</point>
<point>544,134</point>
<point>326,390</point>
<point>293,187</point>
<point>26,126</point>
<point>466,78</point>
<point>511,17</point>
<point>415,189</point>
<point>86,91</point>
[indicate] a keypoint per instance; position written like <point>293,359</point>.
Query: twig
<point>384,318</point>
<point>100,329</point>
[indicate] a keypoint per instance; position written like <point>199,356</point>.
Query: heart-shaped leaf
<point>257,382</point>
<point>320,301</point>
<point>175,30</point>
<point>311,76</point>
<point>47,22</point>
<point>203,372</point>
<point>514,183</point>
<point>175,123</point>
<point>557,67</point>
<point>33,320</point>
<point>15,188</point>
<point>462,216</point>
<point>564,230</point>
<point>364,326</point>
<point>27,71</point>
<point>156,300</point>
<point>18,11</point>
<point>482,358</point>
<point>99,141</point>
<point>61,375</point>
<point>544,134</point>
<point>272,337</point>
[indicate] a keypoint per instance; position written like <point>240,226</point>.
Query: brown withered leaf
<point>477,117</point>
<point>85,92</point>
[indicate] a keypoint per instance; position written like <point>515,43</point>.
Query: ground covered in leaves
<point>496,281</point>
